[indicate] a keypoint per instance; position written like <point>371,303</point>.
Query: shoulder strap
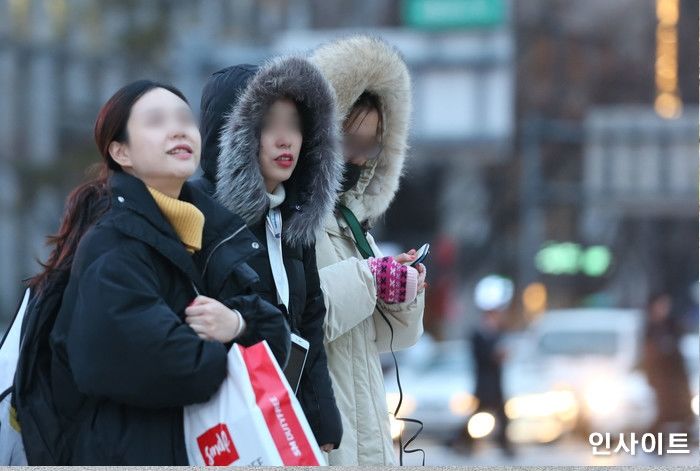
<point>360,239</point>
<point>273,235</point>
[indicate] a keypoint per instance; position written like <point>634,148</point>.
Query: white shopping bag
<point>253,420</point>
<point>11,447</point>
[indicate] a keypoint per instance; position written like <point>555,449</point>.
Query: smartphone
<point>421,254</point>
<point>297,360</point>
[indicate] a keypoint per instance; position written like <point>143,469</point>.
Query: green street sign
<point>568,258</point>
<point>558,259</point>
<point>453,14</point>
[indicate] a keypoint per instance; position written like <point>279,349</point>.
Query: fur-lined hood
<point>234,103</point>
<point>361,63</point>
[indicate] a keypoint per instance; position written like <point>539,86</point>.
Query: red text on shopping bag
<point>217,447</point>
<point>273,399</point>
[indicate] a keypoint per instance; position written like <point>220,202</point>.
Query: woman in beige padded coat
<point>372,87</point>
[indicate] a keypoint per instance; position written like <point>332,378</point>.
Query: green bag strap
<point>360,240</point>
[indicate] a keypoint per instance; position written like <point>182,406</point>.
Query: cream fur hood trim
<point>353,65</point>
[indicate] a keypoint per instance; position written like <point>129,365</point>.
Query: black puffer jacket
<point>234,102</point>
<point>124,360</point>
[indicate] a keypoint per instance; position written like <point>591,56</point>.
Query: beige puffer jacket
<point>355,332</point>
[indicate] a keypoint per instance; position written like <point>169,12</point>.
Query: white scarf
<point>273,225</point>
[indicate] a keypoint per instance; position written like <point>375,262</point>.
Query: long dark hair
<point>90,200</point>
<point>366,103</point>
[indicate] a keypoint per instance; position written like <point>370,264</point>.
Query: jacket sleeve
<point>126,344</point>
<point>349,293</point>
<point>263,322</point>
<point>406,319</point>
<point>320,408</point>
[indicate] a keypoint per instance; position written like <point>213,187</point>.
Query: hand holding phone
<point>421,255</point>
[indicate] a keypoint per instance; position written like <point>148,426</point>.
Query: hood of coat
<point>354,65</point>
<point>234,103</point>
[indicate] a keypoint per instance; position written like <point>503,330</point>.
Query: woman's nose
<point>178,132</point>
<point>284,141</point>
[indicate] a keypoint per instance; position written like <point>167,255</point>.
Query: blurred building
<point>597,166</point>
<point>516,104</point>
<point>640,198</point>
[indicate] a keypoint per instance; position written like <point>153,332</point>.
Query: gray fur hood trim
<point>312,188</point>
<point>353,65</point>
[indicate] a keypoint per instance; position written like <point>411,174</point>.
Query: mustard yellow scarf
<point>186,219</point>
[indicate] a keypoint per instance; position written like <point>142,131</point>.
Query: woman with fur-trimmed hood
<point>271,156</point>
<point>364,291</point>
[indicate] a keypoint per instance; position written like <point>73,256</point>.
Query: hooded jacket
<point>124,362</point>
<point>355,331</point>
<point>234,103</point>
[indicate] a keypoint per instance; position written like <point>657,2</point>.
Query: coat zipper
<point>206,264</point>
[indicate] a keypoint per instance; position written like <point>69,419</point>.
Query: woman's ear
<point>120,154</point>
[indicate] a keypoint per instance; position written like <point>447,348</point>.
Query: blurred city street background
<point>554,147</point>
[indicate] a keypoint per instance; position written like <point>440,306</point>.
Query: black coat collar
<point>131,193</point>
<point>137,215</point>
<point>219,222</point>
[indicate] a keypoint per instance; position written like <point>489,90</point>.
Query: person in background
<point>665,368</point>
<point>488,357</point>
<point>492,297</point>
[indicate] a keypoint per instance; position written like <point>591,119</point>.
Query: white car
<point>438,381</point>
<point>594,354</point>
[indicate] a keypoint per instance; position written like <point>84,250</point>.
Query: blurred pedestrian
<point>374,303</point>
<point>489,356</point>
<point>141,331</point>
<point>271,153</point>
<point>665,368</point>
<point>492,296</point>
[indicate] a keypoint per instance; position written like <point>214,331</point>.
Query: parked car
<point>595,354</point>
<point>438,381</point>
